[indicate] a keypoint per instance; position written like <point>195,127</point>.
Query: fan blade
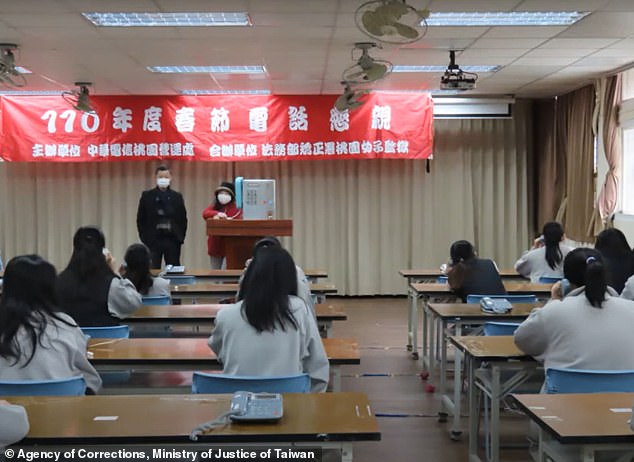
<point>341,104</point>
<point>405,31</point>
<point>7,78</point>
<point>353,77</point>
<point>372,23</point>
<point>376,72</point>
<point>391,11</point>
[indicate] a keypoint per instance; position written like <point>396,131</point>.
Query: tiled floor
<point>411,432</point>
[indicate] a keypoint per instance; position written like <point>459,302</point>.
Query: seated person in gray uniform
<point>270,332</point>
<point>546,256</point>
<point>137,269</point>
<point>37,340</point>
<point>14,424</point>
<point>303,286</point>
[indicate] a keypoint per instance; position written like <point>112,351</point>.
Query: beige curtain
<point>549,167</point>
<point>610,146</point>
<point>360,220</point>
<point>575,141</point>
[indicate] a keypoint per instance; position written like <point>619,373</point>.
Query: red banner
<point>216,128</point>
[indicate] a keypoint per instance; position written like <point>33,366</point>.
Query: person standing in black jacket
<point>162,220</point>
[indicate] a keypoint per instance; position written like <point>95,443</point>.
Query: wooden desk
<point>233,275</point>
<point>501,354</point>
<point>430,276</point>
<point>420,275</point>
<point>311,419</point>
<point>595,421</point>
<point>204,314</point>
<point>441,315</point>
<point>215,290</point>
<point>512,288</point>
<point>188,354</point>
<point>425,290</point>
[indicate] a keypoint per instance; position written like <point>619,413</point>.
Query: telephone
<point>565,287</point>
<point>171,269</point>
<point>495,305</point>
<point>256,407</point>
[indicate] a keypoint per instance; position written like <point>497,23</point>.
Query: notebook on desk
<point>171,269</point>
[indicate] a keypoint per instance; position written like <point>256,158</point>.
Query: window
<point>626,121</point>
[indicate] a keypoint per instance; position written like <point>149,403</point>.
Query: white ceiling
<point>305,45</point>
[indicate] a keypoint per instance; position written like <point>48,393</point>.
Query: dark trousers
<point>166,247</point>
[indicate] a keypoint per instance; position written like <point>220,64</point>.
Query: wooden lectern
<point>241,235</point>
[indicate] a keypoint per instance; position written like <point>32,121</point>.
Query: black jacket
<point>481,278</point>
<point>86,300</point>
<point>158,208</point>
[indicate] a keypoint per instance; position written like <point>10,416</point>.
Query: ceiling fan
<point>455,78</point>
<point>349,100</point>
<point>9,74</point>
<point>79,99</point>
<point>391,21</point>
<point>367,69</point>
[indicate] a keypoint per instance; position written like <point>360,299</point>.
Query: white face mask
<point>224,198</point>
<point>162,182</point>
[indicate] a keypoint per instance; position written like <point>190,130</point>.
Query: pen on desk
<point>356,409</point>
<point>369,411</point>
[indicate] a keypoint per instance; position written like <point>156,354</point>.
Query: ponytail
<point>596,282</point>
<point>553,255</point>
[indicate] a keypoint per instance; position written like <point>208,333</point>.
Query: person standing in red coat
<point>223,208</point>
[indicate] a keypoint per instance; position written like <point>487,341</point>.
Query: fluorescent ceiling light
<point>444,68</point>
<point>506,18</point>
<point>208,69</point>
<point>23,70</point>
<point>225,92</point>
<point>30,92</point>
<point>168,19</point>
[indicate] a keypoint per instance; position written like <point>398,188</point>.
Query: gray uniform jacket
<point>532,264</point>
<point>61,354</point>
<point>571,333</point>
<point>14,424</point>
<point>244,351</point>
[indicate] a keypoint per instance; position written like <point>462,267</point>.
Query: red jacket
<point>215,244</point>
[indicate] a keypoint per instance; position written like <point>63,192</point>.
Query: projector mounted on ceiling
<point>455,78</point>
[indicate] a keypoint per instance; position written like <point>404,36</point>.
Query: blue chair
<point>74,386</point>
<point>549,279</point>
<point>588,381</point>
<point>442,279</point>
<point>179,279</point>
<point>500,328</point>
<point>156,300</point>
<point>511,298</point>
<point>203,382</point>
<point>107,331</point>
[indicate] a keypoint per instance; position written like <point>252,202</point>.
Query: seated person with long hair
<point>37,341</point>
<point>617,257</point>
<point>589,328</point>
<point>271,331</point>
<point>546,256</point>
<point>137,269</point>
<point>470,275</point>
<point>89,289</point>
<point>14,424</point>
<point>303,286</point>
